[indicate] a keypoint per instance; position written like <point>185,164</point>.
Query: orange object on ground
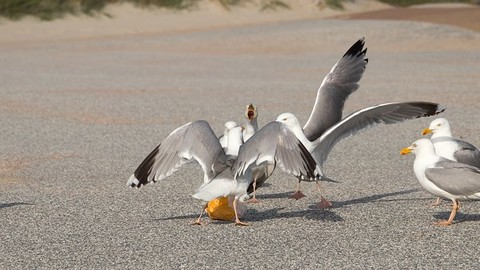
<point>220,209</point>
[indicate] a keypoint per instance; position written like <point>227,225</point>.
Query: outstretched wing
<point>455,178</point>
<point>335,89</point>
<point>276,144</point>
<point>193,140</point>
<point>387,113</point>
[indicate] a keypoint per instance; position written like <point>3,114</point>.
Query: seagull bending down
<point>224,176</point>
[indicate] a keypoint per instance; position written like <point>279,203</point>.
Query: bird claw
<point>443,223</point>
<point>197,222</point>
<point>297,195</point>
<point>323,204</point>
<point>436,203</point>
<point>239,223</point>
<point>253,200</point>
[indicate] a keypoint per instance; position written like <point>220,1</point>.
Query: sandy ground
<point>80,110</point>
<point>457,15</point>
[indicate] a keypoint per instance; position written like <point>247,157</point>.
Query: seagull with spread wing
<point>223,176</point>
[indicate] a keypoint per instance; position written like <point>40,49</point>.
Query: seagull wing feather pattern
<point>194,140</point>
<point>336,87</point>
<point>276,144</point>
<point>387,113</point>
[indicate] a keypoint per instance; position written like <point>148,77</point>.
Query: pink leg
<point>198,220</point>
<point>324,203</point>
<point>437,202</point>
<point>455,207</point>
<point>237,220</point>
<point>254,199</point>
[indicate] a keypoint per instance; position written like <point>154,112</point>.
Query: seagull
<point>260,173</point>
<point>251,125</point>
<point>336,87</point>
<point>448,147</point>
<point>224,138</point>
<point>386,113</point>
<point>223,176</point>
<point>443,177</point>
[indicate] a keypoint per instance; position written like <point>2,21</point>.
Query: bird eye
<point>414,145</point>
<point>439,125</point>
<point>284,119</point>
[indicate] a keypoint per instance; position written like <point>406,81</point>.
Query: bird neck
<point>444,132</point>
<point>445,147</point>
<point>234,141</point>
<point>251,125</point>
<point>297,130</point>
<point>424,160</point>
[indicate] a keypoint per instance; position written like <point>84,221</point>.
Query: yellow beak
<point>426,131</point>
<point>405,151</point>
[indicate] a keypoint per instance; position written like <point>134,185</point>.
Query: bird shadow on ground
<point>192,216</point>
<point>373,198</point>
<point>459,218</point>
<point>275,213</point>
<point>6,205</point>
<point>274,195</point>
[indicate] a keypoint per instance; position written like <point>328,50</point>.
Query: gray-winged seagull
<point>443,177</point>
<point>336,87</point>
<point>273,144</point>
<point>387,113</point>
<point>448,147</point>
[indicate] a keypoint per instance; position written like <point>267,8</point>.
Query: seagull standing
<point>443,177</point>
<point>448,147</point>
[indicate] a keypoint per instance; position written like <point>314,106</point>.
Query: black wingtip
<point>145,168</point>
<point>430,108</point>
<point>310,163</point>
<point>356,48</point>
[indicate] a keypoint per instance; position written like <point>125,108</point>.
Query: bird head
<point>418,145</point>
<point>251,112</point>
<point>437,125</point>
<point>229,125</point>
<point>288,119</point>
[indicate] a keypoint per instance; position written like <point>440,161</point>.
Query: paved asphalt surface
<point>78,116</point>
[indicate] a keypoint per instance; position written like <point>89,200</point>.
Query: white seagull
<point>224,138</point>
<point>443,177</point>
<point>223,176</point>
<point>387,113</point>
<point>448,147</point>
<point>336,87</point>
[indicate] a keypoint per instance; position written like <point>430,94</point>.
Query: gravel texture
<point>78,116</point>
